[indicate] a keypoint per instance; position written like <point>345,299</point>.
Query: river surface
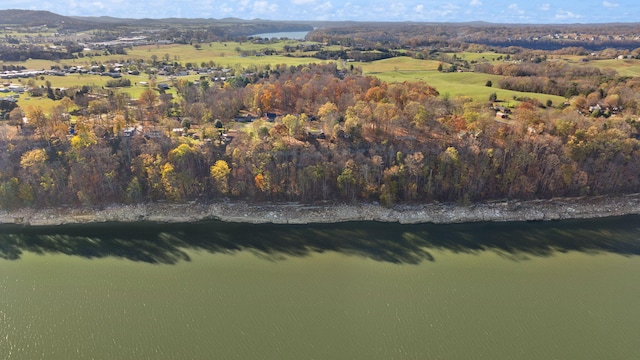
<point>293,35</point>
<point>552,290</point>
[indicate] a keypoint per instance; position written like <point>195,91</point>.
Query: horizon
<point>512,12</point>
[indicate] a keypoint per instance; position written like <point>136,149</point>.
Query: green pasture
<point>219,52</point>
<point>72,80</point>
<point>454,84</point>
<point>222,53</point>
<point>478,56</point>
<point>267,60</point>
<point>222,56</point>
<point>32,64</point>
<point>624,67</point>
<point>333,48</point>
<point>398,64</point>
<point>43,102</point>
<point>569,58</point>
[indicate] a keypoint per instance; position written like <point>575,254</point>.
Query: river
<point>530,290</point>
<point>293,35</point>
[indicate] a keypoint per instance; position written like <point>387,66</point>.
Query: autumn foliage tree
<point>388,143</point>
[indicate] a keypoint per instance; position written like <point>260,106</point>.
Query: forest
<point>322,132</point>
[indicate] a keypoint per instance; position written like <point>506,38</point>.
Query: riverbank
<point>294,213</point>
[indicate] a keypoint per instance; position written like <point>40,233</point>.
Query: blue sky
<point>496,11</point>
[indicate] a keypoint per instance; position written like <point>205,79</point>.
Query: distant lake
<point>294,35</point>
<point>362,290</point>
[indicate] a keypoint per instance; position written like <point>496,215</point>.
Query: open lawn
<point>44,102</point>
<point>479,56</point>
<point>453,84</point>
<point>624,67</point>
<point>400,63</point>
<point>219,52</point>
<point>33,64</point>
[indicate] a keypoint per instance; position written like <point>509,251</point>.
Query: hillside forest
<point>324,131</point>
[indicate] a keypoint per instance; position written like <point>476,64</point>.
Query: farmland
<point>234,54</point>
<point>454,84</point>
<point>229,55</point>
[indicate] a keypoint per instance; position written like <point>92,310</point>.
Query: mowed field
<point>223,54</point>
<point>454,84</point>
<point>624,67</point>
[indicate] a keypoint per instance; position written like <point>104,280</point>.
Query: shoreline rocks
<point>295,213</point>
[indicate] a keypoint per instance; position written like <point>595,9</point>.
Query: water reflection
<point>406,244</point>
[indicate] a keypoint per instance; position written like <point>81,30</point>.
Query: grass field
<point>225,54</point>
<point>44,102</point>
<point>453,84</point>
<point>624,67</point>
<point>479,56</point>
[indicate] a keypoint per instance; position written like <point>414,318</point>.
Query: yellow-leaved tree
<point>220,173</point>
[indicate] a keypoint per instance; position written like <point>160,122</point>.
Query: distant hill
<point>32,18</point>
<point>231,26</point>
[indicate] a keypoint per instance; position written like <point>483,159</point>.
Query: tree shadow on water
<point>388,242</point>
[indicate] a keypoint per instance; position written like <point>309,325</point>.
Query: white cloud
<point>323,8</point>
<point>98,4</point>
<point>609,4</point>
<point>397,10</point>
<point>242,5</point>
<point>225,11</point>
<point>515,9</point>
<point>264,8</point>
<point>351,11</point>
<point>419,8</point>
<point>545,7</point>
<point>302,2</point>
<point>566,15</point>
<point>444,11</point>
<point>475,3</point>
<point>450,7</point>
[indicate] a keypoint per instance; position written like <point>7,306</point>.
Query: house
<point>271,117</point>
<point>243,119</point>
<point>130,131</point>
<point>502,109</point>
<point>152,133</point>
<point>501,115</point>
<point>16,88</point>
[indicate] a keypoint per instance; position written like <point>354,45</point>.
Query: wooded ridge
<point>345,138</point>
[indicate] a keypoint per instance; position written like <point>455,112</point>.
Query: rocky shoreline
<point>295,213</point>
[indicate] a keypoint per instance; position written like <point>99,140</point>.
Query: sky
<point>495,11</point>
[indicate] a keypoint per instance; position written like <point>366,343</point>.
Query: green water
<point>565,290</point>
